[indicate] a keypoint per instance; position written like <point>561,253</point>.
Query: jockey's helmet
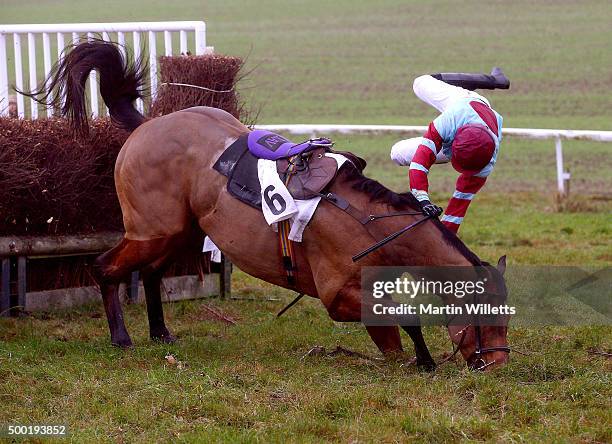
<point>472,148</point>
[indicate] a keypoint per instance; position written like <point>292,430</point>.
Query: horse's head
<point>483,344</point>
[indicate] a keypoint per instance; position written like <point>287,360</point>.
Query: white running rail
<point>557,134</point>
<point>73,32</point>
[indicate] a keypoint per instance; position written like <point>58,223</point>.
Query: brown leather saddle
<point>307,174</point>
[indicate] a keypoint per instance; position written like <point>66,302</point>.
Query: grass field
<point>353,62</point>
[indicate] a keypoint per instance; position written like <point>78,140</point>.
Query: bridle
<point>479,353</point>
<point>480,363</point>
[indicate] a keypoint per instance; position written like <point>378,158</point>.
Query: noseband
<point>479,363</point>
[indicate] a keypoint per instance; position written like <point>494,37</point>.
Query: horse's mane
<point>401,201</point>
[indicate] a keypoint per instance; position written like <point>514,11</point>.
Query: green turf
<point>353,62</point>
<point>252,383</point>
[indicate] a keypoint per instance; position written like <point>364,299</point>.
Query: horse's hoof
<point>426,366</point>
<point>164,339</point>
<point>122,343</point>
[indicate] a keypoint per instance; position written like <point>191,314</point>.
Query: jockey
<point>467,134</point>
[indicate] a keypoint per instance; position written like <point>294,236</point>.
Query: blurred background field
<point>353,62</point>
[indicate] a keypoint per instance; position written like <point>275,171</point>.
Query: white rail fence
<point>191,37</point>
<point>528,133</point>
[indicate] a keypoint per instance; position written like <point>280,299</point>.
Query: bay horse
<point>169,194</point>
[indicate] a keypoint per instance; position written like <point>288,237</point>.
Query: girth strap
<point>287,253</point>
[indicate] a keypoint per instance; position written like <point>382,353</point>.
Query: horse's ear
<point>501,265</point>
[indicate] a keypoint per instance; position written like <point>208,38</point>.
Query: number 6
<point>270,199</point>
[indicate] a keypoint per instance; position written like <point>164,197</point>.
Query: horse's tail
<point>121,83</point>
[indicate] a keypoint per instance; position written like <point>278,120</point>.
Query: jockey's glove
<point>430,209</point>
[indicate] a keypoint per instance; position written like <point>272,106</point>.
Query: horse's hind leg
<point>155,312</point>
<point>110,268</point>
<point>151,278</point>
<point>116,265</point>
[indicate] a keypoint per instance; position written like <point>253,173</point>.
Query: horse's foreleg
<point>387,339</point>
<point>423,357</point>
<point>346,307</point>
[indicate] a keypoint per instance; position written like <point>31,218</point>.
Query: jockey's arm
<point>423,159</point>
<point>465,190</point>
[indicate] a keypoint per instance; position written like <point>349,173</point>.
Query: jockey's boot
<point>495,80</point>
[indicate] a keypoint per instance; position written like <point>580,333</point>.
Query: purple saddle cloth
<point>265,144</point>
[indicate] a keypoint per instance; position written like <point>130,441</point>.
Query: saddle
<point>303,167</point>
<point>306,174</point>
<point>268,145</point>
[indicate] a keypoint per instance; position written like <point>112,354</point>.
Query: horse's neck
<point>423,245</point>
<point>427,247</point>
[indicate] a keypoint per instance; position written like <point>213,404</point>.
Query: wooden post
<point>5,287</point>
<point>132,292</point>
<point>225,278</point>
<point>21,284</point>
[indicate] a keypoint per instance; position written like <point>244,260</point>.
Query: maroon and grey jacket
<point>448,132</point>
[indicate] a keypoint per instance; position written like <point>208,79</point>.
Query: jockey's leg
<point>439,94</point>
<point>403,152</point>
<point>496,80</point>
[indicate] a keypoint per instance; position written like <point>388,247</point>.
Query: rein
<point>389,238</point>
<point>342,204</point>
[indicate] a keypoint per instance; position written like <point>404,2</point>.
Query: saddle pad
<point>240,168</point>
<point>268,145</point>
